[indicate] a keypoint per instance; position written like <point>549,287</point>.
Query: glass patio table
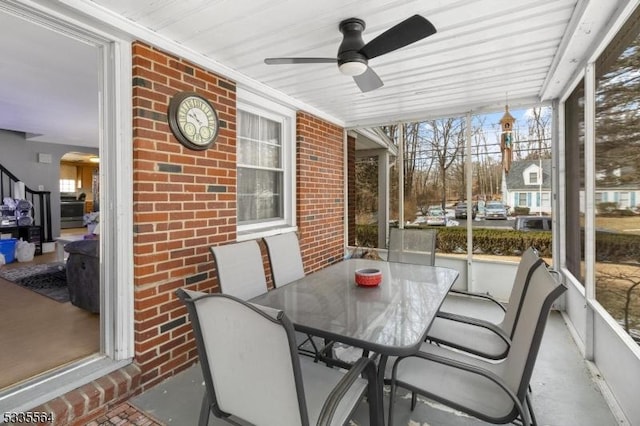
<point>391,319</point>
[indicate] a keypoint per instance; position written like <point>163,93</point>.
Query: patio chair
<point>252,371</point>
<point>496,392</point>
<point>412,246</point>
<point>479,324</point>
<point>285,258</point>
<point>240,269</point>
<point>286,264</point>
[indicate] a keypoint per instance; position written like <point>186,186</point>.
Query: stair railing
<point>41,201</point>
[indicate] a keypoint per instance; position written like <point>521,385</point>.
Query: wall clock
<point>193,120</point>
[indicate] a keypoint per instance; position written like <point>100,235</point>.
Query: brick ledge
<point>83,404</point>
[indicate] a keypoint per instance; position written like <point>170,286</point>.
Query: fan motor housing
<point>349,50</point>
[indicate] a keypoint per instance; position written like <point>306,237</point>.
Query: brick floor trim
<point>93,400</point>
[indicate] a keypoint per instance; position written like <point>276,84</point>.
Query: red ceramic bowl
<point>368,277</point>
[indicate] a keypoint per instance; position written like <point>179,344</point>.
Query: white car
<point>436,216</point>
<point>495,210</point>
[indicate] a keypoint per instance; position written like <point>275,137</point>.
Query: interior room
<point>55,158</point>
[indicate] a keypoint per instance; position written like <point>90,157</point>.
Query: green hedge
<point>610,247</point>
<point>617,248</point>
<point>505,242</point>
<point>521,211</point>
<point>501,242</point>
<point>367,235</point>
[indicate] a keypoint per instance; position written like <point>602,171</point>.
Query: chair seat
<point>447,384</point>
<point>470,337</point>
<point>472,307</point>
<point>320,380</point>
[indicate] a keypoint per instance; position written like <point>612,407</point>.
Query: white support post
<point>401,175</point>
<point>589,197</point>
<point>468,166</point>
<point>383,197</point>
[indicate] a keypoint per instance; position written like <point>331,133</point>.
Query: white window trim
<point>255,104</point>
<point>527,175</point>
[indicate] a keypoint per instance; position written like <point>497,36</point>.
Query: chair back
<point>285,258</point>
<point>249,360</point>
<point>240,269</point>
<point>416,246</point>
<point>528,263</point>
<point>542,291</point>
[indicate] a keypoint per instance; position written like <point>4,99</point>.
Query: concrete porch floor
<point>565,392</point>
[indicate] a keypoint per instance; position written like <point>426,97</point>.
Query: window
<point>546,199</point>
<point>522,199</point>
<point>533,177</point>
<point>599,198</point>
<point>265,165</point>
<point>67,185</point>
<point>623,201</point>
<point>259,168</point>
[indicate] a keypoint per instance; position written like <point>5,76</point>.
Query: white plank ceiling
<point>484,51</point>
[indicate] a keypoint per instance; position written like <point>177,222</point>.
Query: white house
<point>528,184</point>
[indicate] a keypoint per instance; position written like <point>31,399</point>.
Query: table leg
<point>382,364</point>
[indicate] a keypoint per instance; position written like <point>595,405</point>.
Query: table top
<point>391,319</point>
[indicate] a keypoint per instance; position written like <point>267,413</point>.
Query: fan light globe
<point>353,68</point>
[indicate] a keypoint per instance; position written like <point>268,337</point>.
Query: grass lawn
<point>627,224</point>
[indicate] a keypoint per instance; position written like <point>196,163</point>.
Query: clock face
<point>193,120</point>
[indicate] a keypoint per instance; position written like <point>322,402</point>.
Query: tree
<point>446,140</point>
<point>618,117</point>
<point>538,144</point>
<point>367,185</point>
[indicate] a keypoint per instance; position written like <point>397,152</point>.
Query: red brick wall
<point>184,202</point>
<point>320,179</point>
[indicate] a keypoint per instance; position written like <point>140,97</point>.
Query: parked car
<point>495,210</point>
<point>461,211</point>
<point>419,220</point>
<point>436,216</point>
<point>532,223</point>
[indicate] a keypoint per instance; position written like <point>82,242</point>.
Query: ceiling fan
<point>354,54</point>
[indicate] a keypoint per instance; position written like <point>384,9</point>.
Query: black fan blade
<point>368,80</point>
<point>278,61</point>
<point>406,32</point>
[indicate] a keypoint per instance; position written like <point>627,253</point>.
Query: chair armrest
<point>480,296</point>
<point>471,369</point>
<point>478,323</point>
<point>365,365</point>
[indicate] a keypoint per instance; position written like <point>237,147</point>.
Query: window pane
<point>618,178</point>
<point>522,199</point>
<point>259,195</point>
<point>259,141</point>
<point>67,185</point>
<point>260,174</point>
